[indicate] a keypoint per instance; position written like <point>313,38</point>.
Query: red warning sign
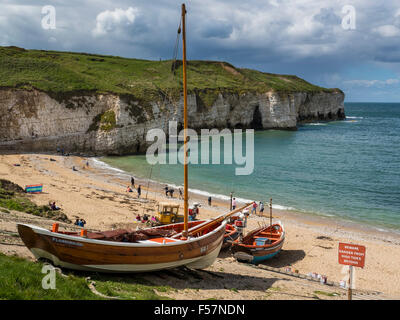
<point>352,254</point>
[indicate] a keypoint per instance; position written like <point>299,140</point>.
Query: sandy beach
<point>99,195</point>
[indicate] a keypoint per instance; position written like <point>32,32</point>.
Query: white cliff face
<point>113,124</point>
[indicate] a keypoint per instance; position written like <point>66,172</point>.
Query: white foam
<point>125,174</point>
<point>104,165</point>
<point>279,207</point>
<point>351,117</point>
<point>317,124</point>
<point>238,199</point>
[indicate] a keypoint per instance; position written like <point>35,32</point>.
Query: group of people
<point>132,186</point>
<point>253,206</point>
<point>171,191</point>
<point>145,218</point>
<point>80,222</point>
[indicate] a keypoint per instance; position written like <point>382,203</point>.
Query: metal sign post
<point>349,291</point>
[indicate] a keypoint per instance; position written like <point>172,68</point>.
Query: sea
<point>348,169</point>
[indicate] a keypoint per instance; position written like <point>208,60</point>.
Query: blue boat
<point>260,244</point>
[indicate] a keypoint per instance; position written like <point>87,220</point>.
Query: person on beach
<point>254,208</point>
<point>54,207</point>
<point>74,169</point>
<point>133,182</point>
<point>261,207</point>
<point>128,189</point>
<point>171,193</point>
<point>180,194</point>
<point>166,191</point>
<point>139,191</point>
<point>138,218</point>
<point>233,203</point>
<point>80,222</point>
<point>209,201</point>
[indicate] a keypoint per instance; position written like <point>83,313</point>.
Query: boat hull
<point>80,253</point>
<point>255,256</point>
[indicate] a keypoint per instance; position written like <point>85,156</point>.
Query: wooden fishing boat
<point>194,244</point>
<point>231,234</point>
<point>124,251</point>
<point>260,244</point>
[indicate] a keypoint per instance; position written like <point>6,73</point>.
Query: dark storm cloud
<point>216,29</point>
<point>327,16</point>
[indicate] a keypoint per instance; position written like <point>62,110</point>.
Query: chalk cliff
<point>112,123</point>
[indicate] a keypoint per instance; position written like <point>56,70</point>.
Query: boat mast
<point>186,206</point>
<point>270,215</point>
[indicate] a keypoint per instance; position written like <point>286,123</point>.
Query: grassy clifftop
<point>67,72</point>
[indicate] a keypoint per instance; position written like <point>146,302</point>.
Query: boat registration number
<point>203,249</point>
<point>67,242</point>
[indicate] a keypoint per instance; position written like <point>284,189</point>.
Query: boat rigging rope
<point>175,54</point>
<point>164,93</point>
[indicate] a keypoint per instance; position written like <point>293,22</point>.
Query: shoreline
<point>302,216</point>
<point>99,196</point>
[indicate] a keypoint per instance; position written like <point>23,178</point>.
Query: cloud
<point>113,21</point>
<point>372,83</point>
<point>327,16</point>
<point>216,29</point>
<point>387,31</point>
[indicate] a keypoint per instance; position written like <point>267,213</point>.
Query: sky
<point>353,45</point>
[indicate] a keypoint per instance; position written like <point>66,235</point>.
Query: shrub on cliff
<point>106,121</point>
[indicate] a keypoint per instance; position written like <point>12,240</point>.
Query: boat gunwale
<point>270,246</point>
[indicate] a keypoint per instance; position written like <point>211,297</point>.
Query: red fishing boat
<point>234,229</point>
<point>231,234</point>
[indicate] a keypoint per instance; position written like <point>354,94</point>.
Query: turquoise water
<point>348,169</point>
